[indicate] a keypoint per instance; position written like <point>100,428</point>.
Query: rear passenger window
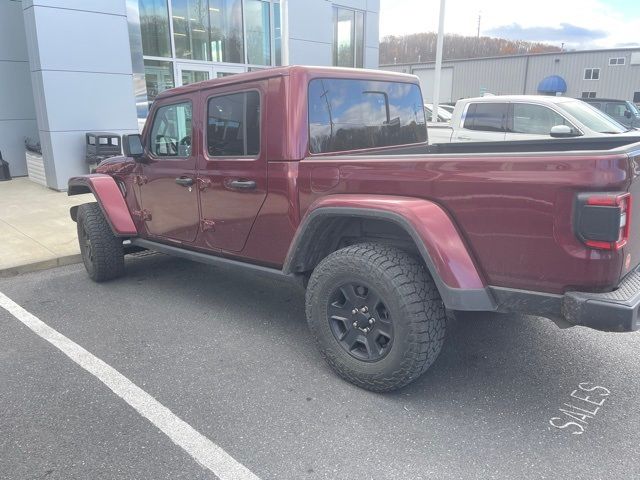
<point>171,131</point>
<point>487,117</point>
<point>233,125</point>
<point>356,114</point>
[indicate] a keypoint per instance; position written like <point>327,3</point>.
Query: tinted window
<point>355,114</point>
<point>534,119</point>
<point>487,117</point>
<point>171,131</point>
<point>233,125</point>
<point>615,109</point>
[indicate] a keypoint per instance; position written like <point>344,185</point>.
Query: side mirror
<point>132,145</point>
<point>562,131</point>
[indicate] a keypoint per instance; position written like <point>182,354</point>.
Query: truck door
<point>232,169</point>
<point>528,121</point>
<point>482,122</point>
<point>166,175</point>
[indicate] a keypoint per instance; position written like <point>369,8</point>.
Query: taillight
<point>602,220</point>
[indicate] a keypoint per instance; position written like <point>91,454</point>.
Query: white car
<point>443,115</point>
<point>525,117</point>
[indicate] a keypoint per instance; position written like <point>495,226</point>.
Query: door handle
<point>184,181</point>
<point>242,184</point>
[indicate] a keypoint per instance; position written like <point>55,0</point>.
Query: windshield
<point>591,117</point>
<point>443,115</point>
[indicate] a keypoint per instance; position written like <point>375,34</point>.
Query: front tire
<point>376,315</point>
<point>101,250</point>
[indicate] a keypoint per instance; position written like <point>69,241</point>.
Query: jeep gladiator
<point>325,176</point>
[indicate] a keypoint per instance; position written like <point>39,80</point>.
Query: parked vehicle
<point>622,111</point>
<point>324,176</point>
<point>447,107</point>
<point>524,117</point>
<point>443,115</point>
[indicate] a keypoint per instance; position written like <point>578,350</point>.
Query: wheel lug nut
<point>354,311</point>
<point>355,324</point>
<point>371,320</point>
<point>365,309</point>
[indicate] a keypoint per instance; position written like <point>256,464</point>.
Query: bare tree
<point>422,47</point>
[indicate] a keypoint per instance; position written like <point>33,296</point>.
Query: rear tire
<point>376,315</point>
<point>101,250</point>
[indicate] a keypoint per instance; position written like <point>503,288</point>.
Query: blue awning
<point>552,84</point>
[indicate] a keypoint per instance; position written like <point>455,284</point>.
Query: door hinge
<point>207,225</point>
<point>141,179</point>
<point>144,215</point>
<point>203,183</point>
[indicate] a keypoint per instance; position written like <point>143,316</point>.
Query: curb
<point>41,265</point>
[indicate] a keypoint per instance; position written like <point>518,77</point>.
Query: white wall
<point>80,63</point>
<point>17,111</point>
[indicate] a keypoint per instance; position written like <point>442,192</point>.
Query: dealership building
<point>68,67</point>
<point>589,73</point>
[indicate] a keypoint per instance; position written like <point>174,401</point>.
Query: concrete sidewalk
<point>36,231</point>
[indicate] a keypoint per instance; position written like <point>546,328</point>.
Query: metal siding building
<point>521,74</point>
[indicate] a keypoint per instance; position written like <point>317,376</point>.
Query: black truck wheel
<point>101,250</point>
<point>376,315</point>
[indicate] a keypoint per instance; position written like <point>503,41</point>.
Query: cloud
<point>604,23</point>
<point>566,32</point>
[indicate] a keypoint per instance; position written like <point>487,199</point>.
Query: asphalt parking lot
<point>229,354</point>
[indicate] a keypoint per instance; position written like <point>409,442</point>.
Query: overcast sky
<point>580,24</point>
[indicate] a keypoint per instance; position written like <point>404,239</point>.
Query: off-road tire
<point>103,256</point>
<point>411,297</point>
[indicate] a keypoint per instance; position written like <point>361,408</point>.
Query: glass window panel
<point>171,131</point>
<point>487,117</point>
<point>359,33</point>
<point>535,119</point>
<point>258,27</point>
<point>154,27</point>
<point>356,114</point>
<point>233,125</point>
<point>191,28</point>
<point>615,109</point>
<point>193,76</point>
<point>227,43</point>
<point>158,77</point>
<point>345,24</point>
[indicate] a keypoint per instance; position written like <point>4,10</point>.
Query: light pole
<point>284,31</point>
<point>438,69</point>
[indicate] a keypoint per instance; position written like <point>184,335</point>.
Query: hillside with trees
<point>421,47</point>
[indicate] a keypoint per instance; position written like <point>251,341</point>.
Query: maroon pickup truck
<point>325,176</point>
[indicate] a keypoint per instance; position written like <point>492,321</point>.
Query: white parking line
<point>203,450</point>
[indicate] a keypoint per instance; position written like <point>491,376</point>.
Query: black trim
<point>615,311</point>
<point>73,211</point>
<point>454,298</point>
<point>209,258</point>
<point>525,302</point>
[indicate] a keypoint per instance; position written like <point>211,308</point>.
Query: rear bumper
<point>615,311</point>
